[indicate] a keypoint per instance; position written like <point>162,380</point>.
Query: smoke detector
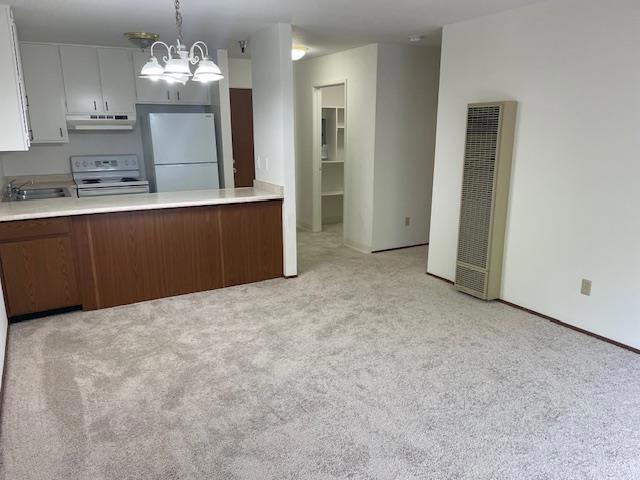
<point>415,38</point>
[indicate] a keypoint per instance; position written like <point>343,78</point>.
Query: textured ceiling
<point>324,27</point>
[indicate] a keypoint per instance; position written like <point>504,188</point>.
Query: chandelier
<point>178,61</point>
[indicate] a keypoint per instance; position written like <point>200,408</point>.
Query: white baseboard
<point>357,246</point>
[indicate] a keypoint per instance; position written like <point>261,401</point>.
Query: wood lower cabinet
<point>130,257</point>
<point>110,259</point>
<point>38,266</point>
<point>251,242</point>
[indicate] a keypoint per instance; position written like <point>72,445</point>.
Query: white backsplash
<point>54,159</point>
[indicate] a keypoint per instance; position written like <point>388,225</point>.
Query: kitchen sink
<point>35,193</point>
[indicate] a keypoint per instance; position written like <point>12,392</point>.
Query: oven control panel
<point>103,163</point>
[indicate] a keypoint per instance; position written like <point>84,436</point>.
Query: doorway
<point>329,157</point>
<point>242,136</point>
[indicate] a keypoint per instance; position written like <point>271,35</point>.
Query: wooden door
<point>242,136</point>
<point>39,275</point>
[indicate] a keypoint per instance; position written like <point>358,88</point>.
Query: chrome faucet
<point>13,192</point>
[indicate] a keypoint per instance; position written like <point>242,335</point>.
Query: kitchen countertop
<point>62,207</point>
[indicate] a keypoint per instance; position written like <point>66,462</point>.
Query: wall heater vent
<point>485,193</point>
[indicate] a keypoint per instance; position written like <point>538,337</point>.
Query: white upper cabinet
<point>118,88</point>
<point>97,80</point>
<point>14,126</point>
<point>45,93</point>
<point>159,91</point>
<point>81,79</point>
<point>149,91</point>
<point>193,93</point>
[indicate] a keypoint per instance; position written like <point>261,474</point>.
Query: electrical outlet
<point>407,221</point>
<point>266,163</point>
<point>585,287</point>
<point>258,162</point>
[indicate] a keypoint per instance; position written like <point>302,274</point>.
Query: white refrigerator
<point>183,151</point>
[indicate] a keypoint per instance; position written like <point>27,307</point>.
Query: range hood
<point>93,122</point>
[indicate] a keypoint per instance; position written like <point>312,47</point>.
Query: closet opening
<point>330,159</point>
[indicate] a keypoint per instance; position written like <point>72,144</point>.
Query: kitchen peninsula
<point>105,251</point>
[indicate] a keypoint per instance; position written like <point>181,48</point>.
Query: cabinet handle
<point>106,105</point>
<point>168,95</point>
<point>61,135</point>
<point>95,105</point>
<point>31,135</point>
<point>178,95</point>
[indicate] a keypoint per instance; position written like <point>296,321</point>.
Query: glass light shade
<point>152,69</point>
<point>207,71</point>
<point>175,78</point>
<point>298,52</point>
<point>178,66</point>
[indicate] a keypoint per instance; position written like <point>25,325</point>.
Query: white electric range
<point>107,175</point>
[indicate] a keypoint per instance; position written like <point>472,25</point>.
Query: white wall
<point>358,67</point>
<point>239,73</point>
<point>220,99</point>
<point>573,67</point>
<point>333,96</point>
<point>50,159</point>
<point>407,95</point>
<point>272,80</point>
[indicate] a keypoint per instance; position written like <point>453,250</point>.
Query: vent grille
<point>471,279</point>
<point>483,123</point>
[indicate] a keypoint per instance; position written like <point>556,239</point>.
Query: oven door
<point>124,190</point>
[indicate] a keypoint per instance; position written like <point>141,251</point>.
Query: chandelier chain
<point>179,21</point>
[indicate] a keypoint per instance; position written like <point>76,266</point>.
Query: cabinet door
<point>45,93</point>
<point>150,91</point>
<point>118,88</point>
<point>39,275</point>
<point>193,93</point>
<point>129,257</point>
<point>81,79</point>
<point>251,241</point>
<point>14,128</point>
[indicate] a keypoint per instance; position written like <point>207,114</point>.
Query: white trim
<point>357,247</point>
<point>317,153</point>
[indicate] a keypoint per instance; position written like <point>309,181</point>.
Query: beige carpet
<point>361,368</point>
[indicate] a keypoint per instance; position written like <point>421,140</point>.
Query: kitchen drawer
<point>41,227</point>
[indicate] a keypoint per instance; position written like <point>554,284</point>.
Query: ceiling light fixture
<point>141,40</point>
<point>177,63</point>
<point>297,52</point>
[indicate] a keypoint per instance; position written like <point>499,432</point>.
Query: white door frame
<point>316,224</point>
